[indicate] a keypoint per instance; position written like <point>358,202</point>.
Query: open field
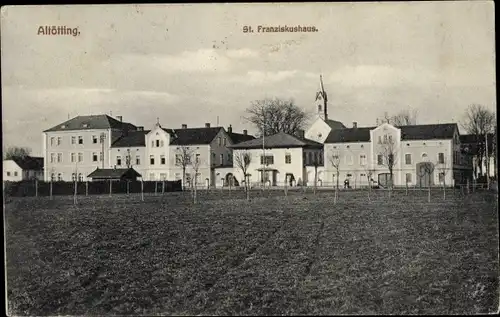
<point>273,255</point>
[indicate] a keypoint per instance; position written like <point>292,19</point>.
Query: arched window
<point>319,107</point>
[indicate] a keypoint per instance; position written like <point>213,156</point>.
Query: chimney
<point>120,118</point>
<point>245,132</point>
<point>140,128</point>
<point>207,125</point>
<point>184,126</point>
<point>354,125</point>
<point>230,129</point>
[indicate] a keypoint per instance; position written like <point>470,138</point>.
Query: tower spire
<point>322,97</point>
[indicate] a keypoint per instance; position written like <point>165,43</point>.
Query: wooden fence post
<point>156,187</point>
<point>163,187</point>
<point>74,195</point>
<point>110,187</point>
<point>50,189</point>
<point>86,188</point>
<point>128,187</point>
<point>36,187</point>
<point>142,190</point>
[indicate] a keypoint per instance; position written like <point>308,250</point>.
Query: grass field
<point>273,255</point>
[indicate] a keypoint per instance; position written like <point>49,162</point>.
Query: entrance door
<point>274,177</point>
<point>425,174</point>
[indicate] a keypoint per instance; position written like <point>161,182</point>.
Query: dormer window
<point>85,125</point>
<point>63,127</point>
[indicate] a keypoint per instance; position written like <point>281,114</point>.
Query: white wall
<point>11,171</point>
<point>318,127</point>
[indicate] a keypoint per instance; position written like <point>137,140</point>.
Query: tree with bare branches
<point>16,152</point>
<point>443,169</point>
<point>242,160</point>
<point>369,172</point>
<point>335,162</point>
<point>389,153</point>
<point>271,116</point>
<point>195,164</point>
<point>183,158</point>
<point>479,120</point>
<point>403,117</point>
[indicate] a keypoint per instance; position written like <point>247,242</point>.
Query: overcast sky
<point>192,63</point>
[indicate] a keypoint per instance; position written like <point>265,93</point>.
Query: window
<point>362,159</point>
<point>222,159</point>
<point>73,140</point>
<point>441,177</point>
<point>118,160</point>
<point>424,156</point>
<point>52,141</point>
<point>8,173</point>
<point>162,143</point>
<point>94,139</point>
<point>408,178</point>
<point>152,159</point>
<point>213,156</point>
<point>152,176</point>
<point>59,157</point>
<point>163,176</point>
<point>178,159</point>
<point>407,159</point>
<point>267,160</point>
<point>321,158</point>
<point>137,160</point>
<point>385,139</point>
<point>94,157</point>
<point>224,143</point>
<point>219,140</point>
<point>73,157</point>
<point>157,143</point>
<point>101,156</point>
<point>80,157</point>
<point>288,158</point>
<point>59,177</point>
<point>197,158</point>
<point>310,157</point>
<point>52,157</point>
<point>162,159</point>
<point>390,138</point>
<point>15,173</point>
<point>153,143</point>
<point>73,177</point>
<point>379,139</point>
<point>349,159</point>
<point>80,177</point>
<point>441,158</point>
<point>229,158</point>
<point>52,177</point>
<point>362,175</point>
<point>380,159</point>
<point>80,139</point>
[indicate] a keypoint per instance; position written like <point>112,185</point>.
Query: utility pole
<point>102,138</point>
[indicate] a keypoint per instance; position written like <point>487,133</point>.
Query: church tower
<point>322,101</point>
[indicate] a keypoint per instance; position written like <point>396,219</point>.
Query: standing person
<point>346,183</point>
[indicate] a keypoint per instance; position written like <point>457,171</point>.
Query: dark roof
<point>29,162</point>
<point>278,140</point>
<point>100,121</point>
<point>428,131</point>
<point>133,138</point>
<point>192,136</point>
<point>349,135</point>
<point>408,132</point>
<point>335,124</point>
<point>113,173</point>
<point>238,137</point>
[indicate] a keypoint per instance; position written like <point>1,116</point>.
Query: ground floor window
<point>408,178</point>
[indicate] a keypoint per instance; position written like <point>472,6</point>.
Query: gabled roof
<point>29,162</point>
<point>278,140</point>
<point>100,121</point>
<point>239,137</point>
<point>113,173</point>
<point>349,135</point>
<point>408,132</point>
<point>193,136</point>
<point>335,124</point>
<point>133,138</point>
<point>428,131</point>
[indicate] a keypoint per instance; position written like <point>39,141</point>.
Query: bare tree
<point>16,152</point>
<point>369,176</point>
<point>478,121</point>
<point>335,162</point>
<point>196,167</point>
<point>403,117</point>
<point>183,158</point>
<point>388,151</point>
<point>242,159</point>
<point>316,162</point>
<point>443,169</point>
<point>271,116</point>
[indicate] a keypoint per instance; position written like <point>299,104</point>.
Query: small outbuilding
<point>102,174</point>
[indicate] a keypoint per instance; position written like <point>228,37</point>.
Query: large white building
<point>23,168</point>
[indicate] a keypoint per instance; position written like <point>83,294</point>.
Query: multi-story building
<point>75,148</point>
<point>417,155</point>
<point>472,145</point>
<point>278,159</point>
<point>172,154</point>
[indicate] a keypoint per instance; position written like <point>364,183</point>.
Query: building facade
<point>23,168</point>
